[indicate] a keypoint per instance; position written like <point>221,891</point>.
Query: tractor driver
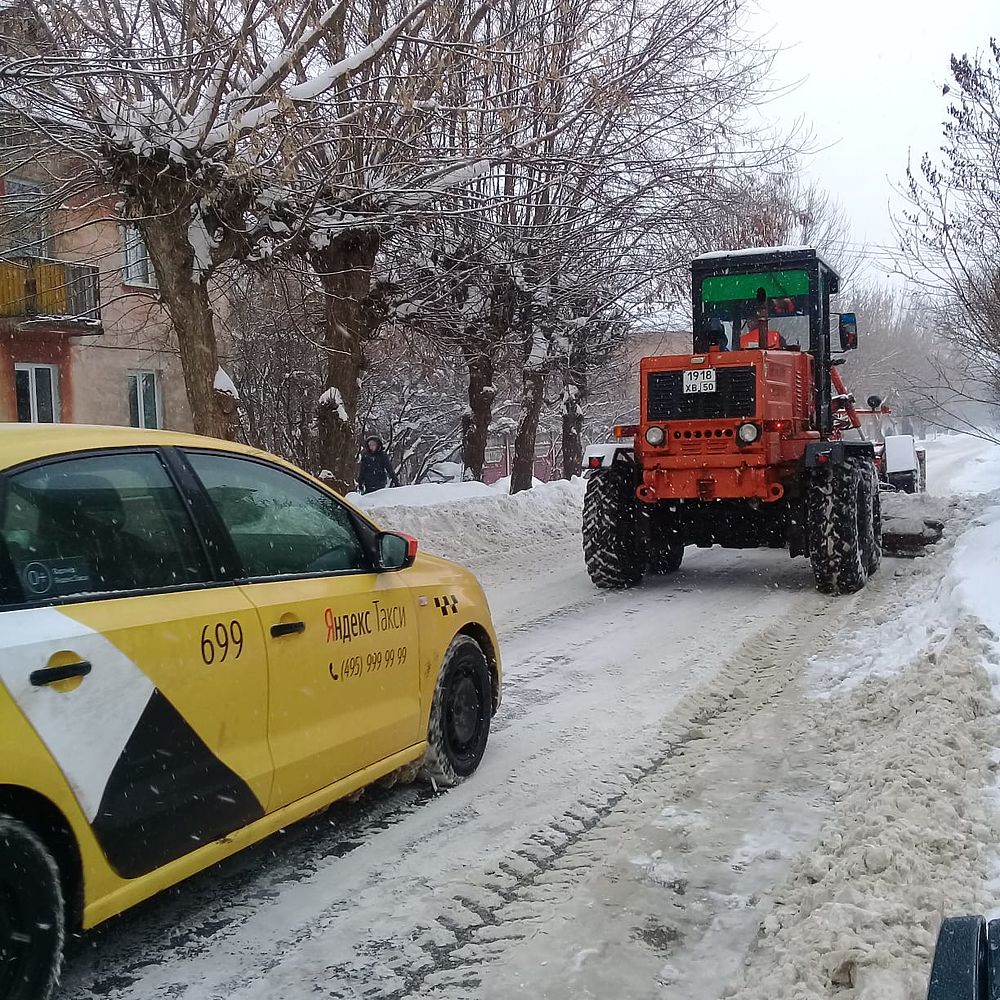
<point>715,334</point>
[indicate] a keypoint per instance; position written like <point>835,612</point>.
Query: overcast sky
<point>871,73</point>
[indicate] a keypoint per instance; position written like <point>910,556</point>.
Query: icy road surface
<point>658,766</point>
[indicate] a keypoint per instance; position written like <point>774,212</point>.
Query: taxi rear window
<point>95,525</point>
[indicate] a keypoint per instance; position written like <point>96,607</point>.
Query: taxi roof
<point>27,442</point>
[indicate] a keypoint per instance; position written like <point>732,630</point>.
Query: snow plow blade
<point>909,536</point>
<point>966,960</point>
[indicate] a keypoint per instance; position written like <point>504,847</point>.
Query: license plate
<point>699,380</point>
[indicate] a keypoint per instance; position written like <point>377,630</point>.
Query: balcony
<point>35,292</point>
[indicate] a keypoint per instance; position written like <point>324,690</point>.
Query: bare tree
<point>180,112</point>
<point>615,117</point>
<point>778,208</point>
<point>897,354</point>
<point>274,329</point>
<point>950,241</point>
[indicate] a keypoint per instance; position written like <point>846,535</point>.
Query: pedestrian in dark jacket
<point>375,471</point>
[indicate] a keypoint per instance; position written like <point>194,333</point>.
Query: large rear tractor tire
<point>612,529</point>
<point>840,517</point>
<point>32,915</point>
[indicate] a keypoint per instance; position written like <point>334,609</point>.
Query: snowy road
<point>653,771</point>
<point>962,465</point>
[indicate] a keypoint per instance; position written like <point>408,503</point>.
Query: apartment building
<point>83,338</point>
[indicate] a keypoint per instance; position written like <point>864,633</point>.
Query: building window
<point>25,219</point>
<point>137,268</point>
<point>37,389</point>
<point>144,399</point>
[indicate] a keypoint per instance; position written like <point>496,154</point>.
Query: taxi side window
<point>96,525</point>
<point>279,524</point>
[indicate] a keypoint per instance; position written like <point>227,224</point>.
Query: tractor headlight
<point>655,436</point>
<point>748,433</point>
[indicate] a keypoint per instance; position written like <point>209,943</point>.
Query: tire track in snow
<point>502,901</point>
<point>164,948</point>
<point>562,853</point>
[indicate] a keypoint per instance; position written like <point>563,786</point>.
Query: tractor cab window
<point>736,301</point>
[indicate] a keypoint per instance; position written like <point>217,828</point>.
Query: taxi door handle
<point>287,628</point>
<point>49,675</point>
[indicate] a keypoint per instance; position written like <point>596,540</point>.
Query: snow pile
<point>919,616</point>
<point>908,840</point>
<point>915,506</point>
<point>976,573</point>
<point>421,495</point>
<point>485,522</point>
<point>914,825</point>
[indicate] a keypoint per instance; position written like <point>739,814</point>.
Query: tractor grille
<point>735,396</point>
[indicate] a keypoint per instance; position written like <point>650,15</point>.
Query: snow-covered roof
<point>750,252</point>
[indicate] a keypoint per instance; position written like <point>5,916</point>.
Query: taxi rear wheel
<point>460,715</point>
<point>32,914</point>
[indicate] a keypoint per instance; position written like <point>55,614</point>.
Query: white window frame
<point>133,271</point>
<point>137,374</point>
<point>31,367</point>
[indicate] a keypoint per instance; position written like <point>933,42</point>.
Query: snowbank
<point>429,494</point>
<point>908,841</point>
<point>422,495</point>
<point>957,577</point>
<point>976,571</point>
<point>912,723</point>
<point>473,524</point>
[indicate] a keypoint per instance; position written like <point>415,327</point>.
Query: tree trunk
<point>476,422</point>
<point>184,293</point>
<point>523,465</point>
<point>344,270</point>
<point>574,394</point>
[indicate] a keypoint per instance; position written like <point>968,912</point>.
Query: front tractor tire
<point>845,531</point>
<point>612,529</point>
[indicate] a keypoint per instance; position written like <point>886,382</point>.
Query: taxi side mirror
<point>848,331</point>
<point>395,551</point>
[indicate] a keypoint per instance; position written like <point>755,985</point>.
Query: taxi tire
<point>464,669</point>
<point>31,895</point>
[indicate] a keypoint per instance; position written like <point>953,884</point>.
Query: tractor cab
<point>771,299</point>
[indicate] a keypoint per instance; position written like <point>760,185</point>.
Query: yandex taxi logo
<point>369,621</point>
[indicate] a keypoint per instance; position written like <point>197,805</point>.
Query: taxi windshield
<point>734,300</point>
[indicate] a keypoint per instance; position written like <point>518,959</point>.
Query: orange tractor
<point>750,441</point>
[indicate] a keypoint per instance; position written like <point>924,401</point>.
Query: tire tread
<point>611,530</point>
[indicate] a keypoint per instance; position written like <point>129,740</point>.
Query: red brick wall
<point>36,347</point>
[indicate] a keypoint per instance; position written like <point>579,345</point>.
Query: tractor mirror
<point>848,331</point>
<point>874,402</point>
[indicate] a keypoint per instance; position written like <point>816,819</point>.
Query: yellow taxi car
<point>199,644</point>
